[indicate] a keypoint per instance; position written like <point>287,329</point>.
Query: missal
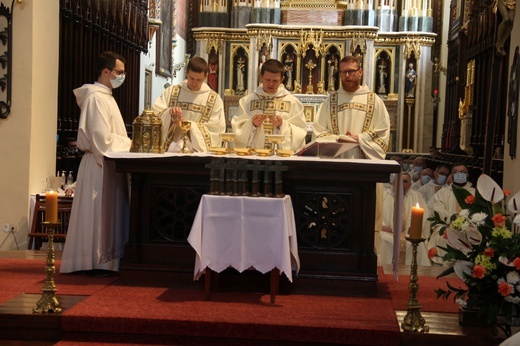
<point>328,146</point>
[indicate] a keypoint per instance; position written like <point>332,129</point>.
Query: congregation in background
<point>428,185</point>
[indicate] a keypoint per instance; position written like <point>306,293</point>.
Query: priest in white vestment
<point>271,109</point>
<point>101,195</point>
<point>194,101</point>
<point>357,112</point>
<point>440,178</point>
<point>445,203</point>
<point>386,238</point>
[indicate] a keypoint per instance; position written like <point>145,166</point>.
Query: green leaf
<point>446,272</point>
<point>461,194</point>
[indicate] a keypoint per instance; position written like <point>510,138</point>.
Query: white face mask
<point>116,82</point>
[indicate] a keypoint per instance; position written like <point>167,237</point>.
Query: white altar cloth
<point>244,233</point>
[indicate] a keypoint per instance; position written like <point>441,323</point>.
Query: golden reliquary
<point>147,133</point>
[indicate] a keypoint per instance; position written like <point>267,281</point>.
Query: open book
<point>328,146</point>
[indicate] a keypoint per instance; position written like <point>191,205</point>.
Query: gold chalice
<point>185,126</point>
<point>227,138</point>
<point>276,140</point>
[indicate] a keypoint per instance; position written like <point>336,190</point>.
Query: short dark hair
<point>458,164</point>
<point>197,64</point>
<point>350,58</point>
<point>273,66</point>
<point>107,59</point>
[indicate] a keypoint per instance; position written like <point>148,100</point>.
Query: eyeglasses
<point>119,72</point>
<point>348,72</point>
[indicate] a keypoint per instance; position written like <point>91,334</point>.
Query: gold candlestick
<point>413,321</point>
<point>48,301</point>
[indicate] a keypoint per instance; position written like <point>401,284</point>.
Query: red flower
<point>504,289</point>
<point>445,235</point>
<point>478,271</point>
<point>470,199</point>
<point>432,252</point>
<point>489,252</point>
<point>507,192</point>
<point>516,262</point>
<point>499,220</point>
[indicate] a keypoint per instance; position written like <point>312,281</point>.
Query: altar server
<point>192,100</point>
<point>101,195</point>
<point>271,109</point>
<point>357,112</point>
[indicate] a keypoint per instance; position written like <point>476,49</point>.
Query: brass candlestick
<point>413,321</point>
<point>48,301</point>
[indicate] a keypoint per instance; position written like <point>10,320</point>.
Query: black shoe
<point>97,272</point>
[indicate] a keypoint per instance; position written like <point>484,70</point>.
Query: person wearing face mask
<point>408,164</point>
<point>271,109</point>
<point>101,130</point>
<point>194,101</point>
<point>440,176</point>
<point>386,238</point>
<point>419,163</point>
<point>424,178</point>
<point>445,203</point>
<point>355,111</point>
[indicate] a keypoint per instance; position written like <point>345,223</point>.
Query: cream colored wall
<point>512,167</point>
<point>28,135</point>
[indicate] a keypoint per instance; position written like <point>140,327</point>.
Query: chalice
<point>275,140</point>
<point>185,126</point>
<point>227,138</point>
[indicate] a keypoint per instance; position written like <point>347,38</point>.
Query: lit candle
<point>51,206</point>
<point>416,223</point>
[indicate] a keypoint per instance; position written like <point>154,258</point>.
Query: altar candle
<point>51,206</point>
<point>416,223</point>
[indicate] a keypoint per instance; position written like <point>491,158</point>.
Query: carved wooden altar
<point>334,215</point>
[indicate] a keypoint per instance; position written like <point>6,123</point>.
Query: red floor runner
<point>158,311</point>
<point>294,318</point>
<point>400,294</point>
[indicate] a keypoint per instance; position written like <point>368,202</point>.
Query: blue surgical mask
<point>441,180</point>
<point>425,179</point>
<point>460,178</point>
<point>418,169</point>
<point>405,167</point>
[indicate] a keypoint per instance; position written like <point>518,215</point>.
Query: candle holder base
<point>413,321</point>
<point>48,301</point>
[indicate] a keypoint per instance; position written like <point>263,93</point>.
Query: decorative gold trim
<point>213,43</point>
<point>412,46</point>
<point>308,4</point>
<point>311,38</point>
<point>264,37</point>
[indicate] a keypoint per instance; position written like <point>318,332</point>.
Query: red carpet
<point>158,315</point>
<point>400,294</point>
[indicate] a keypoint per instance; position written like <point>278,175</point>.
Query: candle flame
<point>417,205</point>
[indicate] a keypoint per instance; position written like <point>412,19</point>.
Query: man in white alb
<point>357,112</point>
<point>101,197</point>
<point>271,109</point>
<point>192,100</point>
